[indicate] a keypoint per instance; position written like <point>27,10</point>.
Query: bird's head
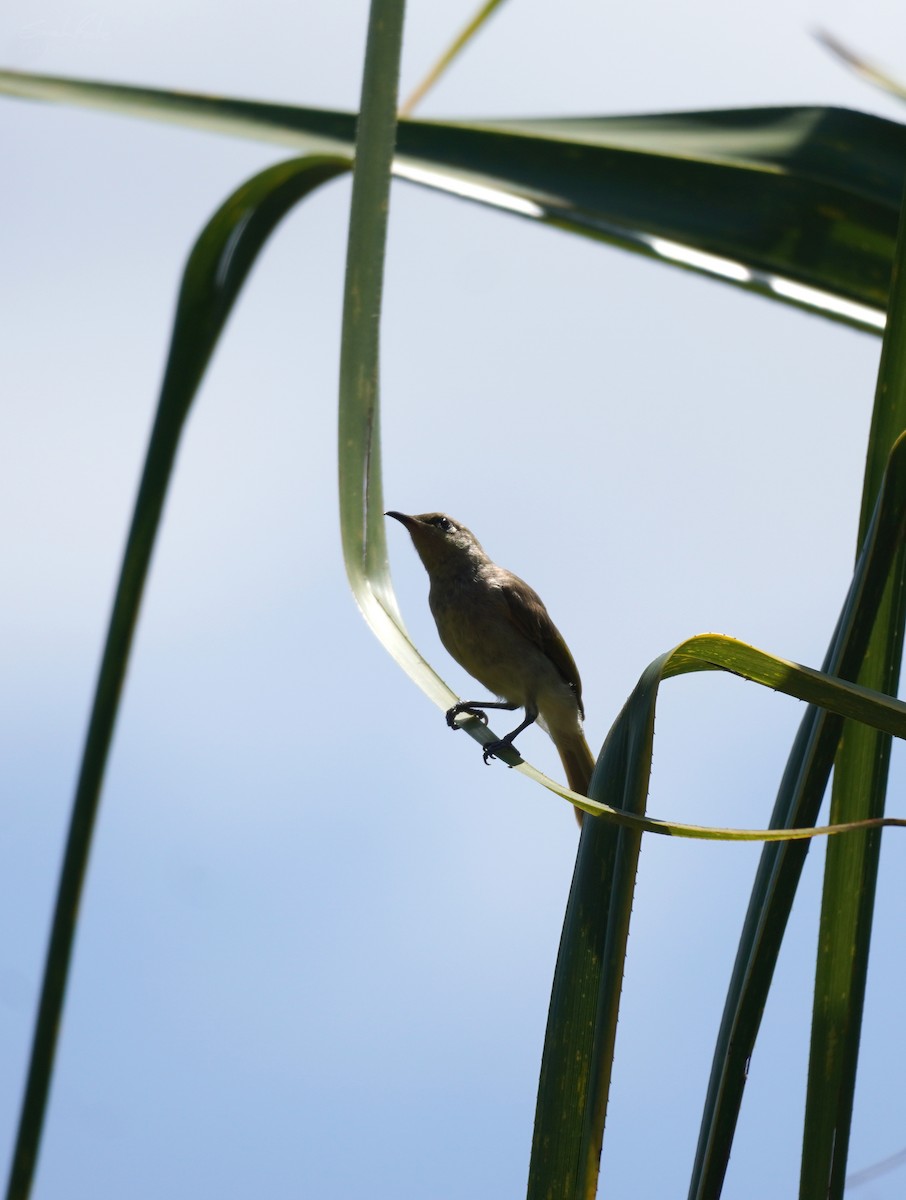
<point>441,542</point>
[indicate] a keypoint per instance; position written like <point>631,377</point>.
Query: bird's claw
<point>457,709</point>
<point>492,749</point>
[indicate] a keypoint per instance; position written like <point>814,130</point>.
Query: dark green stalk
<point>798,802</point>
<point>576,1064</point>
<point>859,790</point>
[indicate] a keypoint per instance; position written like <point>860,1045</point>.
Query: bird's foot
<point>492,750</point>
<point>454,712</point>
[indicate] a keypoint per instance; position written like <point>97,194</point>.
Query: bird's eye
<point>442,523</point>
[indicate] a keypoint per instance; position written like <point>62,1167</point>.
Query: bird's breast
<point>476,628</point>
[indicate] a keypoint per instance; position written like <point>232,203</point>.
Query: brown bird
<point>497,627</point>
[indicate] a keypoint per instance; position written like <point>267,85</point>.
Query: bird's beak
<point>409,522</point>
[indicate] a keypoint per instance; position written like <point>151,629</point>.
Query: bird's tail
<point>578,763</point>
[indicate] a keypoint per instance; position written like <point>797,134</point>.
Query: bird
<point>499,630</point>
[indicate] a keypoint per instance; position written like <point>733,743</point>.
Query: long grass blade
<point>216,270</point>
<point>581,1031</point>
<point>449,56</point>
<point>574,1083</point>
<point>859,791</point>
<point>361,491</point>
<point>869,71</point>
<point>799,798</point>
<point>796,204</point>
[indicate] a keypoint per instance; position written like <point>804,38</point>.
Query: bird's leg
<point>474,708</point>
<point>492,749</point>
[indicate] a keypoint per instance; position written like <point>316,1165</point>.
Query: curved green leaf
<point>217,267</point>
<point>859,791</point>
<point>361,488</point>
<point>581,1030</point>
<point>798,801</point>
<point>715,652</point>
<point>799,204</point>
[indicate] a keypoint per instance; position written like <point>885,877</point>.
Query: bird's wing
<point>531,618</point>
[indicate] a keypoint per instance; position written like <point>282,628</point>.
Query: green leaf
<point>865,617</point>
<point>869,71</point>
<point>859,791</point>
<point>798,204</point>
<point>361,492</point>
<point>716,652</point>
<point>581,1031</point>
<point>218,266</point>
<point>452,52</point>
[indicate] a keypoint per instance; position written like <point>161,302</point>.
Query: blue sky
<point>318,935</point>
